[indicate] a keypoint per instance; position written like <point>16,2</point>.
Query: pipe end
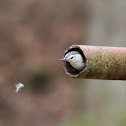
<point>70,70</point>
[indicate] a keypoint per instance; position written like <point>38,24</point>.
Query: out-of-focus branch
<point>100,62</point>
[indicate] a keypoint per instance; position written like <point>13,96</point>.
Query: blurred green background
<point>33,37</point>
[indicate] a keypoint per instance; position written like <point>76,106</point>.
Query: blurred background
<point>33,37</point>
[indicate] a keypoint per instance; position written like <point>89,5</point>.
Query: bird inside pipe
<point>74,61</point>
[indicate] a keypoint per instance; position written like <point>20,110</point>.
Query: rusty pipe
<point>108,63</point>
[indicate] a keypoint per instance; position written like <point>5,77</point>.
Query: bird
<point>75,59</point>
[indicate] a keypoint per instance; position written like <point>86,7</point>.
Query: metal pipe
<point>108,63</point>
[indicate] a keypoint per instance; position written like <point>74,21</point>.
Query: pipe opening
<point>68,67</point>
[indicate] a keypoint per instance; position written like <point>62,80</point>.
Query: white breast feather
<point>19,86</point>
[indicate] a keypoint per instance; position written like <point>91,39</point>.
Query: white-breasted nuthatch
<point>75,59</point>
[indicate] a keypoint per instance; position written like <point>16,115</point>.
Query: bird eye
<point>71,57</point>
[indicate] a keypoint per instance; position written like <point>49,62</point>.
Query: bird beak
<point>63,59</point>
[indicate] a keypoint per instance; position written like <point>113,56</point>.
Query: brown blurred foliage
<point>33,37</point>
